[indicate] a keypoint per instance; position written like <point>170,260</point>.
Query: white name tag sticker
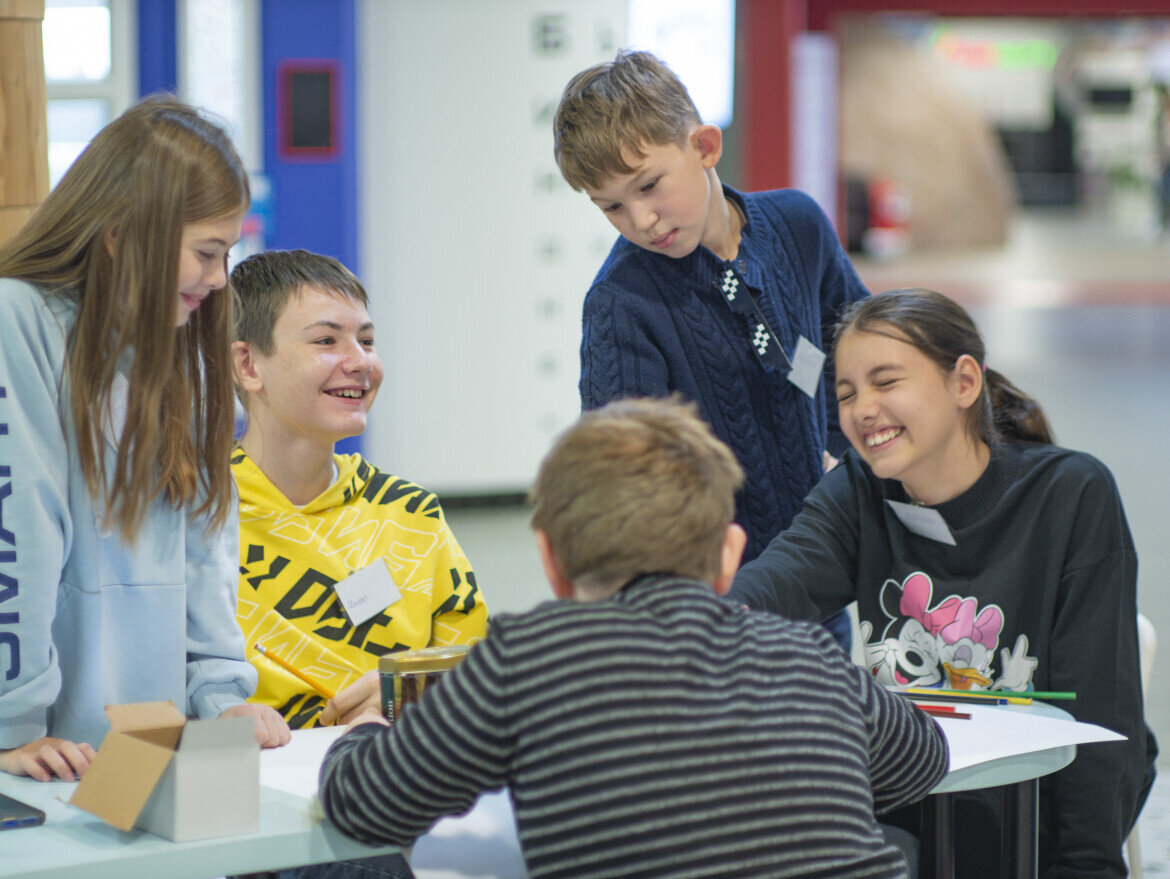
<point>367,592</point>
<point>923,521</point>
<point>807,362</point>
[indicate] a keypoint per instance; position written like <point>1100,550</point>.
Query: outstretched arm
<point>808,571</point>
<point>389,783</point>
<point>908,752</point>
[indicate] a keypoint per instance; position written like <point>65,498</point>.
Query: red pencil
<point>944,711</point>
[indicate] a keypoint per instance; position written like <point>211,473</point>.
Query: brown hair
<point>612,110</point>
<point>263,283</point>
<point>156,168</point>
<point>943,331</point>
<point>636,487</point>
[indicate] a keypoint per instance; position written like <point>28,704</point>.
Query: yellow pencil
<point>973,695</point>
<point>291,669</point>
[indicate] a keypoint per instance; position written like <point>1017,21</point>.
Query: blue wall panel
<point>157,47</point>
<point>314,200</point>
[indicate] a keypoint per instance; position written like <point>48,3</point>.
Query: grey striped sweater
<point>661,733</point>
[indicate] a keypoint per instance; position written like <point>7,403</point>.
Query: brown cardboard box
<point>178,778</point>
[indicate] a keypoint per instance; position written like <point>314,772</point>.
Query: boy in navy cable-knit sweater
<point>728,298</point>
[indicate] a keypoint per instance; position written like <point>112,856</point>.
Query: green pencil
<point>1009,694</point>
<point>1038,694</point>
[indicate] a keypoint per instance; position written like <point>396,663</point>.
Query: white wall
<point>475,253</point>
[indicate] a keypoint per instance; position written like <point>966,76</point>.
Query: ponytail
<point>1014,415</point>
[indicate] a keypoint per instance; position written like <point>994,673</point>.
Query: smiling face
<point>203,261</point>
<point>671,202</point>
<point>322,375</point>
<point>906,417</point>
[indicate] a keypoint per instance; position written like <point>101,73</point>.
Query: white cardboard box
<point>177,778</point>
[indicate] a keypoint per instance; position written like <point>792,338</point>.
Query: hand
<point>365,694</point>
<point>271,729</point>
<point>48,758</point>
<point>370,715</point>
<point>1016,667</point>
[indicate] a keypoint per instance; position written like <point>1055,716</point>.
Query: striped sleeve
<point>676,734</point>
<point>383,784</point>
<point>908,751</point>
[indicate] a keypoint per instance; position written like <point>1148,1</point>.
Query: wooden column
<point>24,127</point>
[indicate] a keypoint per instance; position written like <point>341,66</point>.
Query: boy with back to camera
<point>728,298</point>
<point>645,726</point>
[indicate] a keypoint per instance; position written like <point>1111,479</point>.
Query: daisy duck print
<point>950,643</point>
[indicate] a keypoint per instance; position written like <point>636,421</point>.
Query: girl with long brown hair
<point>981,557</point>
<point>117,533</point>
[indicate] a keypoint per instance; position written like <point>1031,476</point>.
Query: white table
<point>73,844</point>
<point>1018,745</point>
<point>76,845</point>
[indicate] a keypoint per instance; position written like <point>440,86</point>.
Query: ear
<point>562,587</point>
<point>245,368</point>
<point>967,378</point>
<point>110,239</point>
<point>734,540</point>
<point>708,141</point>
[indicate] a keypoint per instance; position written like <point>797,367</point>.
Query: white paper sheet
<point>994,732</point>
<point>294,767</point>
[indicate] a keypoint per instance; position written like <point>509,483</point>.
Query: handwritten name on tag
<point>367,592</point>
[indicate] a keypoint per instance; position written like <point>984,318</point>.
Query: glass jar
<point>406,674</point>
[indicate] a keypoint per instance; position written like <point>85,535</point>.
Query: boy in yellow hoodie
<point>340,562</point>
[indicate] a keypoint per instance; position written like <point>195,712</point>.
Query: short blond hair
<point>638,486</point>
<point>614,110</point>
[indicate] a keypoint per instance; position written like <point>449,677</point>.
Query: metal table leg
<point>938,837</point>
<point>1021,820</point>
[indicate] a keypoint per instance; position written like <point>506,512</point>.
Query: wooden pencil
<point>293,670</point>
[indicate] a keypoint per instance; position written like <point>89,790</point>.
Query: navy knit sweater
<point>654,324</point>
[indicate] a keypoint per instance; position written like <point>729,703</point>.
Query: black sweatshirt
<point>1038,591</point>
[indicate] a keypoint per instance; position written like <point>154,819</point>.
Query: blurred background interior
<point>1018,164</point>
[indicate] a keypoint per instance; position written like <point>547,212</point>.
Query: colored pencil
<point>979,696</point>
<point>943,697</point>
<point>1038,694</point>
<point>291,669</point>
<point>996,694</point>
<point>943,711</point>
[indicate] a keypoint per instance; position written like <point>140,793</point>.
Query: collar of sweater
<point>648,589</point>
<point>351,474</point>
<point>979,501</point>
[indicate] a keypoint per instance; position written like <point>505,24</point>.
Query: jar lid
<point>426,659</point>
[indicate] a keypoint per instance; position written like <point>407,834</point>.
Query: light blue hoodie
<point>86,619</point>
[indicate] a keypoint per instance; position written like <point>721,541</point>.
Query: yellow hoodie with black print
<point>291,557</point>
